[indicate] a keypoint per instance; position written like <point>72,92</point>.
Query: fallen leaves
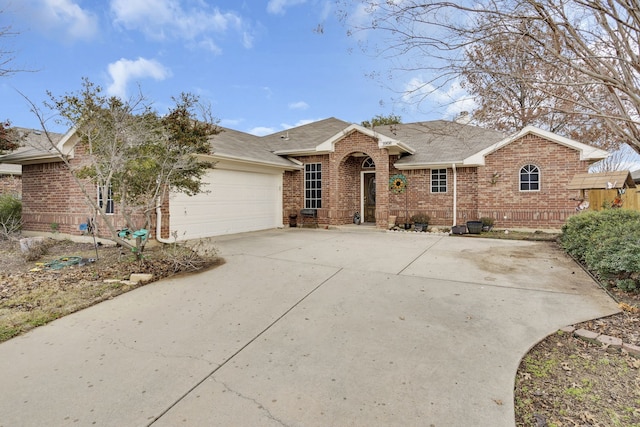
<point>587,387</point>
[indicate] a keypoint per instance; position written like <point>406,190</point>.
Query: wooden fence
<point>598,199</point>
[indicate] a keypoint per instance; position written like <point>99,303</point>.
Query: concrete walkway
<point>307,328</point>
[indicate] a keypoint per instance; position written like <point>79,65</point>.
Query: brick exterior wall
<point>341,182</point>
<point>491,190</point>
<point>501,198</point>
<point>11,184</point>
<point>51,195</point>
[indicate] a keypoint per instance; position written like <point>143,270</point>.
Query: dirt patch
<point>568,381</point>
<point>65,278</point>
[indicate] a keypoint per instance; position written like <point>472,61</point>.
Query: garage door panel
<point>235,202</point>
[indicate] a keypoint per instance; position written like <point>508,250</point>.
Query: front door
<point>369,183</point>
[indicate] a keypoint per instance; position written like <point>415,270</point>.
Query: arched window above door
<point>368,163</point>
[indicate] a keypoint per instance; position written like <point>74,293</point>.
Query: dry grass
<point>32,295</point>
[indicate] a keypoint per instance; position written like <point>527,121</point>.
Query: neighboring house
<point>635,175</point>
<point>10,179</point>
<point>454,173</point>
<point>11,174</point>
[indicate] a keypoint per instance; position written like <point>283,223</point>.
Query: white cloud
<point>277,7</point>
<point>268,92</point>
<point>360,19</point>
<point>210,45</point>
<point>327,8</point>
<point>230,123</point>
<point>125,70</point>
<point>300,105</point>
<point>63,17</point>
<point>261,131</point>
<point>162,19</point>
<point>247,40</point>
<point>453,97</point>
<point>298,123</point>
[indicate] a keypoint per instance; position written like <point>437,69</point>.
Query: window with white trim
<point>529,178</point>
<point>110,206</point>
<point>313,186</point>
<point>368,163</point>
<point>438,180</point>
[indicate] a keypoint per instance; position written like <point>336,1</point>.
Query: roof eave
<point>400,146</point>
<point>62,149</point>
<point>33,159</point>
<point>429,165</point>
<point>298,152</point>
<point>587,152</point>
<point>219,156</point>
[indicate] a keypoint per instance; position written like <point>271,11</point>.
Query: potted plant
<point>420,221</point>
<point>474,227</point>
<point>487,223</point>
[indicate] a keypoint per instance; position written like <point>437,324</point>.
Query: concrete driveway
<point>307,328</point>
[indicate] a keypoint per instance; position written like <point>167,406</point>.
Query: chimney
<point>464,118</point>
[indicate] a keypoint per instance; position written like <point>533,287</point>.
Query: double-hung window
<point>313,185</point>
<point>438,180</point>
<point>109,208</point>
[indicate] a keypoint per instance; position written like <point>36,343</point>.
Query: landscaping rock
<point>587,335</point>
<point>140,277</point>
<point>28,243</point>
<point>613,342</point>
<point>633,350</point>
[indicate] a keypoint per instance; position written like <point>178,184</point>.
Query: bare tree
<point>9,138</point>
<point>588,49</point>
<point>621,159</point>
<point>497,71</point>
<point>6,55</point>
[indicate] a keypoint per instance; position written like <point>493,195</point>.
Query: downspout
<point>159,237</point>
<point>455,194</point>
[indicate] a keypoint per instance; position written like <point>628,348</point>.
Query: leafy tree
<point>584,52</point>
<point>10,215</point>
<point>135,154</point>
<point>9,138</point>
<point>380,120</point>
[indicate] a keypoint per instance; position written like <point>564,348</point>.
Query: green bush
<point>10,214</point>
<point>10,207</point>
<point>579,233</point>
<point>608,242</point>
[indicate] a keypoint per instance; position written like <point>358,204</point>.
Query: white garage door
<point>236,202</point>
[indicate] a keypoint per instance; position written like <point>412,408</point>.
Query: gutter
<point>159,237</point>
<point>455,195</point>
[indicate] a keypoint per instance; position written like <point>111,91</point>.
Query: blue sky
<point>263,66</point>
